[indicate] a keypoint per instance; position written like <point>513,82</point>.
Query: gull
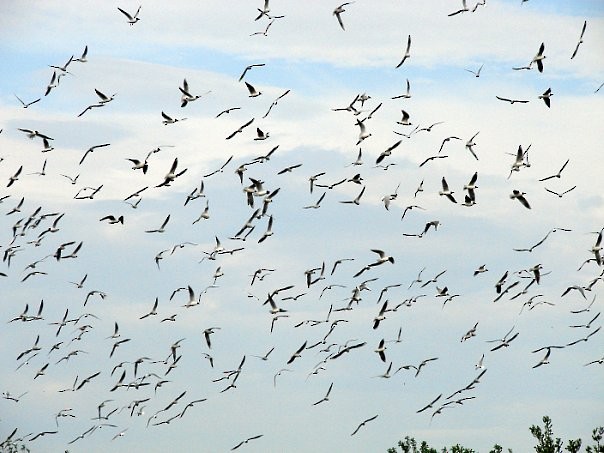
<point>462,10</point>
<point>429,405</point>
<point>317,204</point>
<point>42,172</point>
<point>423,363</point>
<point>545,359</point>
<point>82,58</point>
<point>520,197</point>
<point>445,140</point>
<point>381,350</point>
<point>274,309</point>
<point>256,65</point>
<point>14,177</point>
<point>326,397</point>
<point>588,325</point>
<point>598,89</point>
<point>296,354</point>
<point>575,287</point>
<point>204,215</point>
<point>47,147</point>
<point>153,311</point>
<point>471,186</point>
<point>91,149</point>
<point>254,437</point>
<point>599,361</point>
<point>389,150</point>
<point>31,134</point>
<point>519,162</point>
<point>219,169</point>
<point>265,356</point>
<point>161,229</point>
<point>269,230</point>
<point>557,175</point>
<point>407,54</point>
<point>357,179</point>
<point>331,186</point>
<point>312,180</point>
<point>338,11</point>
<point>584,309</point>
<point>186,96</point>
<point>445,191</point>
<point>229,110</point>
<point>482,268</point>
<point>380,316</point>
<point>363,424</point>
<point>260,135</point>
<point>171,175</point>
<point>470,333</point>
<point>25,105</point>
<point>112,220</point>
<point>131,19</point>
<point>405,95</point>
<point>104,99</point>
<point>240,129</point>
<point>350,107</point>
<point>63,68</point>
<point>265,32</point>
<point>476,73</point>
<point>596,249</point>
<point>276,101</point>
<point>363,134</point>
<point>429,128</point>
<point>368,117</point>
<point>206,333</point>
<point>167,119</point>
<point>546,96</point>
<point>338,262</point>
<point>538,58</point>
<point>480,364</point>
<point>572,343</point>
<point>253,92</point>
<point>560,195</point>
<point>121,433</point>
<point>432,158</point>
<point>357,200</point>
<point>504,342</point>
<point>512,101</point>
<point>470,143</point>
<point>54,82</point>
<point>140,165</point>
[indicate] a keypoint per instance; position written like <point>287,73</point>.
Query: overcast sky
<point>310,67</point>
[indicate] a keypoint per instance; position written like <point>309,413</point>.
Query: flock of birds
<point>140,385</point>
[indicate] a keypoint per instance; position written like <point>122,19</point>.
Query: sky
<point>317,82</point>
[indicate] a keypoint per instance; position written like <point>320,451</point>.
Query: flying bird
<point>405,56</point>
<point>338,13</point>
<point>132,19</point>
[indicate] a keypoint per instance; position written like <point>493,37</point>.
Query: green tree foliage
<point>546,443</point>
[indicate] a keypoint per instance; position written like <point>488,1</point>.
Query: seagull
<point>252,90</point>
<point>580,40</point>
<point>547,94</point>
<point>112,220</point>
<point>229,110</point>
<point>153,311</point>
<point>161,229</point>
<point>407,55</point>
<point>471,186</point>
<point>381,350</point>
<point>357,200</point>
<point>431,158</point>
<point>326,397</point>
<point>249,438</point>
<point>363,134</point>
<point>388,151</point>
<point>317,204</point>
<point>91,149</point>
<point>167,119</point>
<point>512,101</point>
<point>445,191</point>
<point>462,10</point>
<point>380,316</point>
<point>560,195</point>
<point>260,135</point>
<point>338,11</point>
<point>363,424</point>
<point>186,96</point>
<point>476,73</point>
<point>470,143</point>
<point>596,249</point>
<point>405,95</point>
<point>470,333</point>
<point>131,19</point>
<point>240,129</point>
<point>171,175</point>
<point>538,58</point>
<point>82,58</point>
<point>104,99</point>
<point>256,65</point>
<point>520,197</point>
<point>15,176</point>
<point>25,105</point>
<point>296,354</point>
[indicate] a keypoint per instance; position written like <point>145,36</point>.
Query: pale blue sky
<point>324,68</point>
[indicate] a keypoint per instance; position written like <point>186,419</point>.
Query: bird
<point>25,105</point>
<point>104,100</point>
<point>357,200</point>
<point>132,19</point>
<point>557,175</point>
<point>92,149</point>
<point>381,350</point>
<point>252,91</point>
<point>462,10</point>
<point>296,354</point>
<point>476,73</point>
<point>538,58</point>
<point>560,195</point>
<point>406,94</point>
<point>363,423</point>
<point>363,134</point>
<point>338,13</point>
<point>516,194</point>
<point>249,438</point>
<point>247,68</point>
<point>83,57</point>
<point>470,143</point>
<point>112,220</point>
<point>326,397</point>
<point>167,119</point>
<point>240,129</point>
<point>405,56</point>
<point>446,192</point>
<point>171,175</point>
<point>471,186</point>
<point>547,94</point>
<point>380,316</point>
<point>161,229</point>
<point>512,101</point>
<point>430,405</point>
<point>186,95</point>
